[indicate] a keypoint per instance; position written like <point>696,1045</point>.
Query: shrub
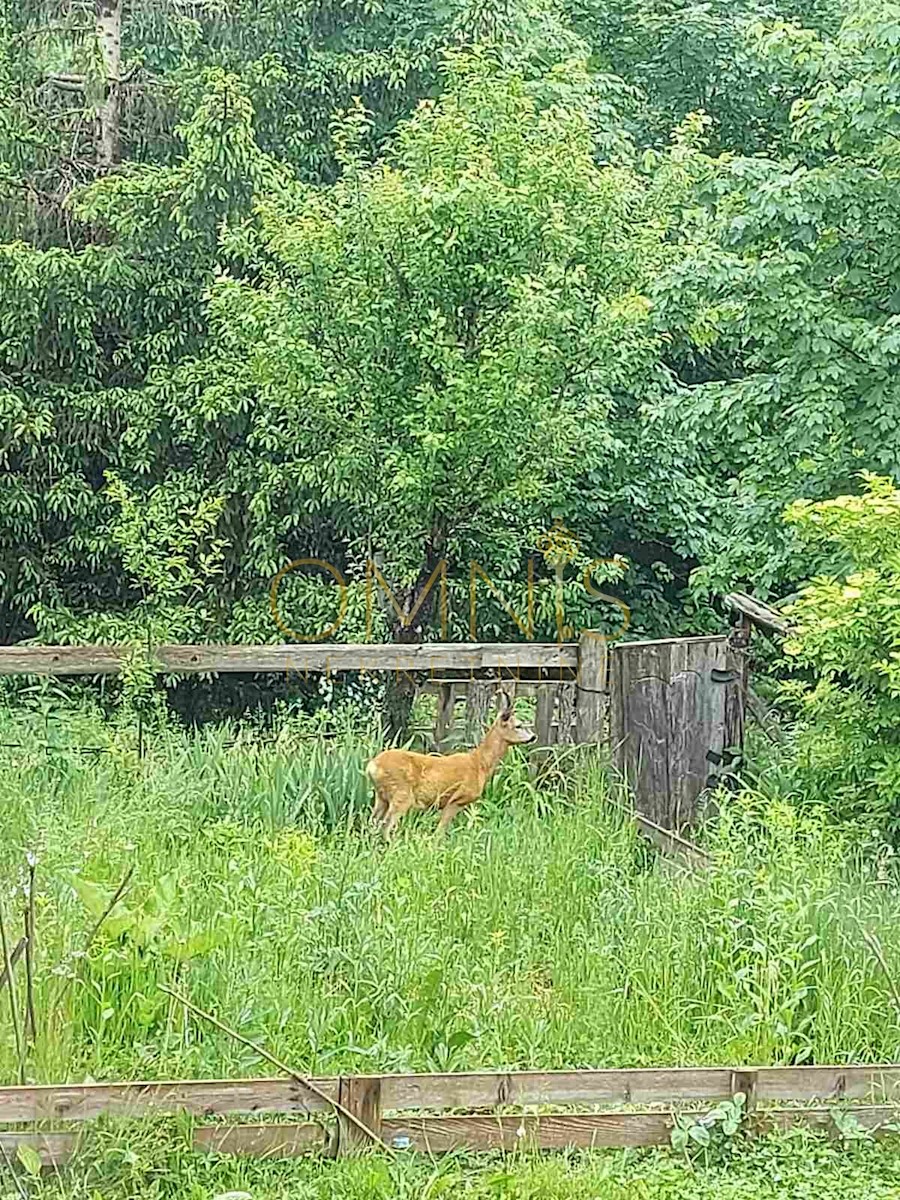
<point>846,631</point>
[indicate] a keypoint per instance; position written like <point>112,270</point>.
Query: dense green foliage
<point>389,286</point>
<point>847,634</point>
<point>410,333</point>
<point>789,298</point>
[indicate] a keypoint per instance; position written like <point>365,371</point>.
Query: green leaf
<point>29,1159</point>
<point>93,896</point>
<point>699,1134</point>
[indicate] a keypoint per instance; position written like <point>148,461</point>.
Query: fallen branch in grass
<point>691,855</point>
<point>303,1080</point>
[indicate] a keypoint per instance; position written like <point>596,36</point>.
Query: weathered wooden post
<point>360,1095</point>
<point>592,687</point>
<point>446,708</point>
<point>673,714</point>
<point>478,703</point>
<point>545,711</point>
<point>565,713</point>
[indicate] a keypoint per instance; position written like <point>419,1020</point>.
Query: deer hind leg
<point>398,806</point>
<point>380,807</point>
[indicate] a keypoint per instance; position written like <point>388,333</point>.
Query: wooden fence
<point>669,711</point>
<point>501,1110</point>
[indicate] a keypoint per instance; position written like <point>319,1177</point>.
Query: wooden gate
<point>675,713</point>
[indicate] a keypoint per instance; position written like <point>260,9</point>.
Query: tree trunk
<point>401,689</point>
<point>109,36</point>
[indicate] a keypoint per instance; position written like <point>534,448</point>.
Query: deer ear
<point>504,704</point>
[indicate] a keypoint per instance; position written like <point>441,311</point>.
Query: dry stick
<point>758,712</point>
<point>13,959</point>
<point>117,896</point>
<point>691,853</point>
<point>276,1062</point>
<point>11,988</point>
<point>30,1021</point>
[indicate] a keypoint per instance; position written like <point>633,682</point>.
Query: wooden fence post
<point>668,716</point>
<point>565,727</point>
<point>593,688</point>
<point>361,1095</point>
<point>745,1082</point>
<point>544,713</point>
<point>478,702</point>
<point>446,708</point>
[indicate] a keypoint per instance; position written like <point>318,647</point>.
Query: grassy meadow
<point>541,933</point>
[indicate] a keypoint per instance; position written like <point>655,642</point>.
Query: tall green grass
<point>541,933</point>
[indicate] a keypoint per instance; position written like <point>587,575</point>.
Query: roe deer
<point>405,780</point>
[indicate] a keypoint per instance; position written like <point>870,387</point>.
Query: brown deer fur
<point>405,780</point>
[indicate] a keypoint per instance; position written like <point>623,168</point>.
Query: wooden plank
<point>480,1089</point>
<point>483,1089</point>
<point>360,1095</point>
<point>481,1132</point>
<point>786,1084</point>
<point>637,1085</point>
<point>261,1141</point>
<point>638,736</point>
<point>550,1131</point>
<point>53,1149</point>
<point>662,642</point>
<point>545,1131</point>
<point>736,664</point>
<point>60,660</point>
<point>83,1102</point>
<point>321,657</point>
<point>593,688</point>
<point>696,711</point>
<point>762,615</point>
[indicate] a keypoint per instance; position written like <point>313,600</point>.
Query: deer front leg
<point>447,816</point>
<point>391,821</point>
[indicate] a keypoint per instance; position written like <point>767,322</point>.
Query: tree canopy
<point>388,285</point>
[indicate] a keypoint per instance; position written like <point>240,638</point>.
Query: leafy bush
<point>847,631</point>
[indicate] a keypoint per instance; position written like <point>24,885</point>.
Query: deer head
<point>506,724</point>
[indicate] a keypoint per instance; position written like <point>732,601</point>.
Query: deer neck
<point>489,752</point>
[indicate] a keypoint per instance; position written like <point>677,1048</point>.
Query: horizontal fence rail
<point>319,657</point>
<point>421,1112</point>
